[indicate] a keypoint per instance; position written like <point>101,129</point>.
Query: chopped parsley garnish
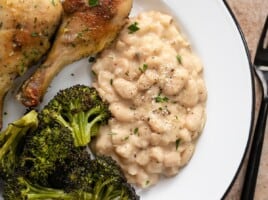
<point>93,3</point>
<point>132,108</point>
<point>136,130</point>
<point>112,133</point>
<point>177,143</point>
<point>22,68</point>
<point>133,27</point>
<point>179,59</point>
<point>143,68</point>
<point>125,138</point>
<point>34,34</point>
<point>79,35</point>
<point>94,73</point>
<point>161,99</point>
<point>82,33</point>
<point>53,2</point>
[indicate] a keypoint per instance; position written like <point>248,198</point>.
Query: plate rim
<point>253,100</point>
<point>253,106</point>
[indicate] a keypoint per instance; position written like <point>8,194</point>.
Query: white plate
<point>215,37</point>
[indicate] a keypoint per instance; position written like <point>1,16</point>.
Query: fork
<point>261,69</point>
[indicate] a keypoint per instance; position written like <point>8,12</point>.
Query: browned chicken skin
<point>85,30</point>
<point>25,31</point>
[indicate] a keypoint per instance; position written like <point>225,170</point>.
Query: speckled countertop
<point>251,15</point>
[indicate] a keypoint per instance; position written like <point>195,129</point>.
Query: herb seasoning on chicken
<point>86,29</point>
<point>26,28</point>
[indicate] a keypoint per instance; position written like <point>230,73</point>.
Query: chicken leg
<point>25,31</point>
<point>85,30</point>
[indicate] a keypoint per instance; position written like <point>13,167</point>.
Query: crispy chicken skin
<point>85,30</point>
<point>26,27</point>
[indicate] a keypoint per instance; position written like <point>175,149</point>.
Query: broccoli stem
<point>108,193</point>
<point>49,196</point>
<point>90,127</point>
<point>60,195</point>
<point>11,137</point>
<point>99,190</point>
<point>15,131</point>
<point>33,192</point>
<point>81,124</point>
<point>61,120</point>
<point>12,133</point>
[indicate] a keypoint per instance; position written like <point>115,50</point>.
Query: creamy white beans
<point>157,95</point>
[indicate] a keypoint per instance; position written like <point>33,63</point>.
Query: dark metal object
<point>261,68</point>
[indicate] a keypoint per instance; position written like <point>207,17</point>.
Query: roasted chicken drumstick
<point>85,30</point>
<point>25,31</point>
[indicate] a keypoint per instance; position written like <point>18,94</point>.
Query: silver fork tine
<point>261,68</point>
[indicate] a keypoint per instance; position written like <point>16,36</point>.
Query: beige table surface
<point>251,15</point>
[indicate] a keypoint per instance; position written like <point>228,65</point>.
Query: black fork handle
<point>249,186</point>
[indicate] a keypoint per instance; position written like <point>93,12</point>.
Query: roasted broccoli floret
<point>11,139</point>
<point>102,177</point>
<point>19,188</point>
<point>44,149</point>
<point>73,173</point>
<point>80,109</point>
<point>54,162</point>
<point>109,181</point>
<point>66,126</point>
